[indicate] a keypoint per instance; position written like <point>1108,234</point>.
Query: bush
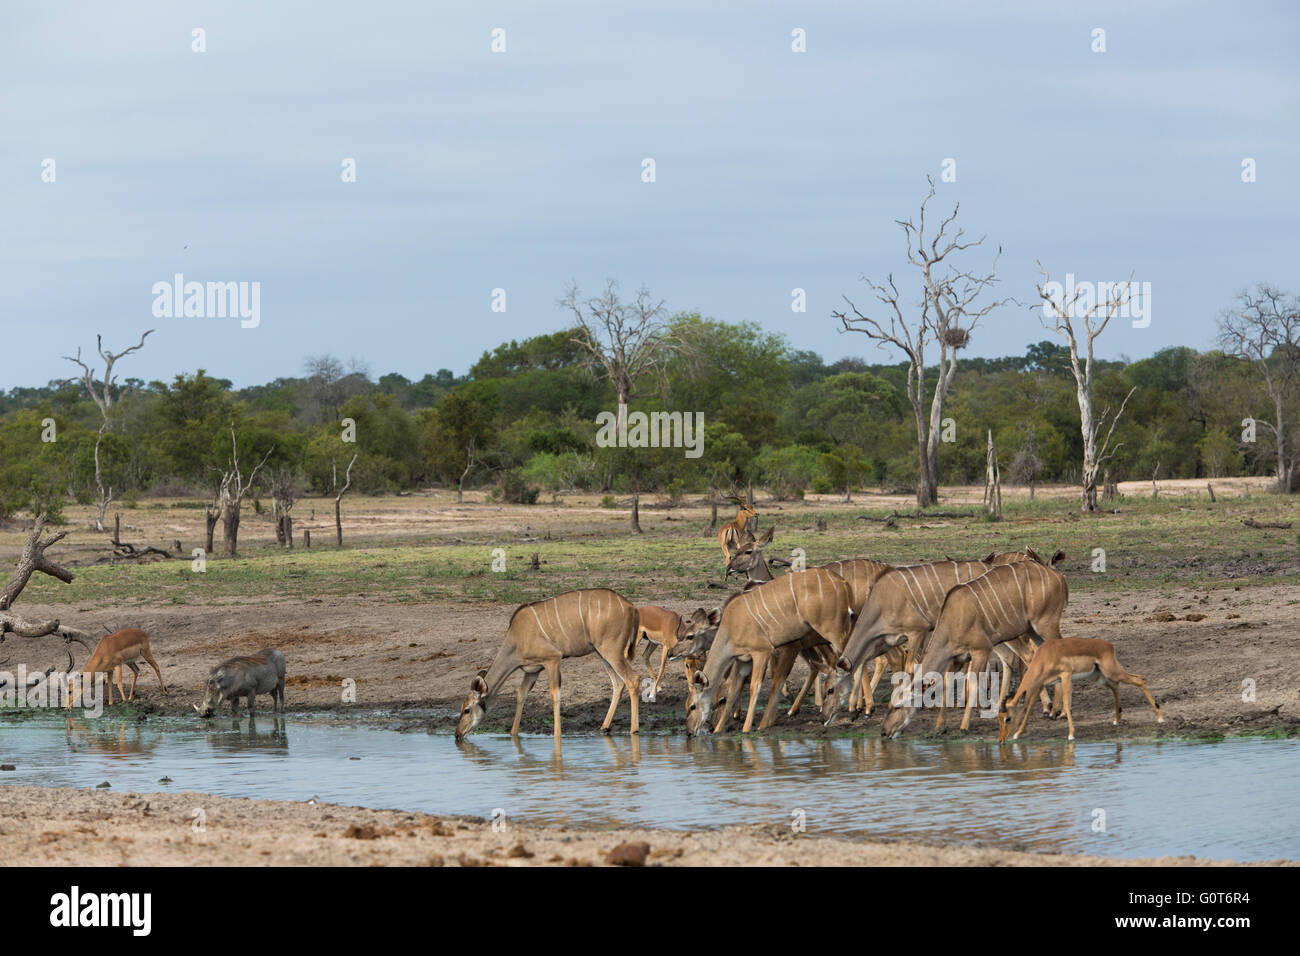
<point>513,488</point>
<point>608,501</point>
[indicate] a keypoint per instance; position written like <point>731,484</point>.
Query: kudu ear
<point>478,685</point>
<point>1032,555</point>
<point>767,537</point>
<point>715,615</point>
<point>989,559</point>
<point>1057,558</point>
<point>700,680</point>
<point>843,665</point>
<point>893,640</point>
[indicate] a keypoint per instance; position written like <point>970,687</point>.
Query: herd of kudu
<point>937,625</point>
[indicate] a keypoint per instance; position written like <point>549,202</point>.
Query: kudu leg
<point>553,679</point>
<point>781,664</point>
<point>525,685</point>
<point>978,661</point>
<point>755,685</point>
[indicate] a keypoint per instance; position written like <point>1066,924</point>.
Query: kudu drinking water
<point>756,623</point>
<point>1023,598</point>
<point>900,611</point>
<point>540,635</point>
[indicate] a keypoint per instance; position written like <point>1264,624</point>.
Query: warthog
<point>260,673</point>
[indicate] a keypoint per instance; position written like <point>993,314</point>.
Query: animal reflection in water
<point>249,733</point>
<point>767,758</point>
<point>110,738</point>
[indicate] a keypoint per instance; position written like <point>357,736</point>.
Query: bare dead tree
<point>284,492</point>
<point>623,340</point>
<point>31,561</point>
<point>232,489</point>
<point>948,314</point>
<point>1264,328</point>
<point>211,514</point>
<point>469,465</point>
<point>339,493</point>
<point>1070,319</point>
<point>102,395</point>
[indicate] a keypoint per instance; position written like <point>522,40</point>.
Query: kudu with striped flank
<point>1070,659</point>
<point>542,634</point>
<point>756,623</point>
<point>900,611</point>
<point>859,574</point>
<point>1009,601</point>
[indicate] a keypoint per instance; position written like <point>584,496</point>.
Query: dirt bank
<point>69,827</point>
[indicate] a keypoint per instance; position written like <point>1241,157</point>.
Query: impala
<point>113,650</point>
<point>1069,659</point>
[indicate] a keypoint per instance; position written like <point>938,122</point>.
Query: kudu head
<point>699,701</point>
<point>695,633</point>
<point>471,712</point>
<point>748,559</point>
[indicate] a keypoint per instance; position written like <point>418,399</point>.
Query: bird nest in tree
<point>955,338</point>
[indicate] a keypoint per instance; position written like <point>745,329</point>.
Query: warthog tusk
<point>196,708</point>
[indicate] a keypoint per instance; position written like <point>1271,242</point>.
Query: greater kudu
<point>542,634</point>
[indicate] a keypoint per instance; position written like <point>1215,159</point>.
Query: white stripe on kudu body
<point>759,621</point>
<point>999,606</point>
<point>572,624</point>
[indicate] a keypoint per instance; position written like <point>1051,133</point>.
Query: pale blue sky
<point>522,170</point>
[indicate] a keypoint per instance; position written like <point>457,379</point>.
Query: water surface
<point>1230,800</point>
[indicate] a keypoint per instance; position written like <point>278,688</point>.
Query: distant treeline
<point>524,420</point>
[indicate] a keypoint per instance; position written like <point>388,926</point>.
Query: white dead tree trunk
<point>338,497</point>
<point>1089,318</point>
<point>948,314</point>
<point>102,395</point>
<point>1264,328</point>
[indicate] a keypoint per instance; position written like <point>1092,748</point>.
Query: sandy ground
<point>70,827</point>
<point>423,656</point>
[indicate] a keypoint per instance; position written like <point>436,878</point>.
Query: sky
<point>522,170</point>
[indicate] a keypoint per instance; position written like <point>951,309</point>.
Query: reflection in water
<point>1159,799</point>
<point>245,734</point>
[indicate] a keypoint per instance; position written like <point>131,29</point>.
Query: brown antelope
<point>112,651</point>
<point>1008,601</point>
<point>542,634</point>
<point>663,629</point>
<point>901,606</point>
<point>858,573</point>
<point>755,624</point>
<point>732,534</point>
<point>1069,659</point>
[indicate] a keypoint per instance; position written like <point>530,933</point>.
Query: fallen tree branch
<point>1252,523</point>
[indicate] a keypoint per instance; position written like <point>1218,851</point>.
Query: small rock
<point>628,854</point>
<point>519,850</point>
<point>103,786</point>
<point>7,766</point>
